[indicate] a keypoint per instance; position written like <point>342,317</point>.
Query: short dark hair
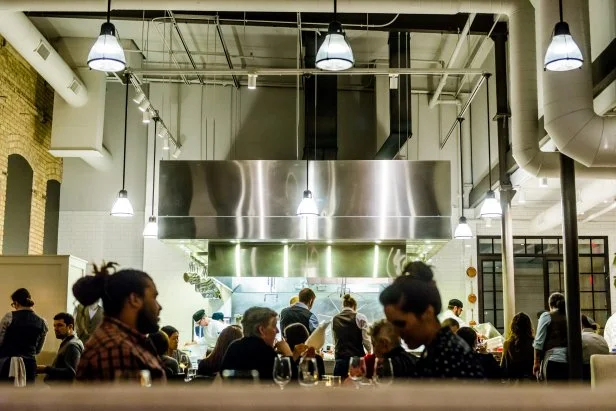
<point>557,300</point>
<point>169,330</point>
<point>414,290</point>
<point>450,323</point>
<point>160,341</point>
<point>22,297</point>
<point>113,289</point>
<point>306,295</point>
<point>66,317</point>
<point>468,335</point>
<point>295,334</point>
<point>454,302</point>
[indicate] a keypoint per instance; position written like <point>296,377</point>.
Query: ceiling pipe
<point>17,29</point>
<point>452,61</point>
<point>569,116</point>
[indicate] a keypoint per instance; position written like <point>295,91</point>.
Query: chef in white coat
<point>207,329</point>
<point>454,310</point>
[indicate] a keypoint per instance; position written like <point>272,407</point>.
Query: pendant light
<point>151,228</point>
<point>463,230</point>
<point>107,54</point>
<point>563,53</point>
<point>122,206</point>
<point>491,208</point>
<point>335,53</point>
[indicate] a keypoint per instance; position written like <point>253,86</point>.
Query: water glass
<point>307,372</point>
<point>282,371</point>
<point>357,370</point>
<point>383,371</point>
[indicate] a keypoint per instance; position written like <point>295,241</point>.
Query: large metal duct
<point>17,29</point>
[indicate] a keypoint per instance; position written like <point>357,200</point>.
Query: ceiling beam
<point>604,69</point>
<point>424,23</point>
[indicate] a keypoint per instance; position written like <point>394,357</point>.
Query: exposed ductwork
<point>569,115</point>
<point>17,29</point>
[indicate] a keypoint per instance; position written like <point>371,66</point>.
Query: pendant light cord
<point>154,163</point>
<point>336,10</point>
<point>560,9</point>
<point>489,137</point>
<point>460,120</point>
<point>125,130</point>
<point>109,11</point>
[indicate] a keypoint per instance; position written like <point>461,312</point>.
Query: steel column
<point>572,276</point>
<point>506,190</point>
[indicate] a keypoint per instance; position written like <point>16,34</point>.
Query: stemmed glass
<point>357,370</point>
<point>308,372</point>
<point>282,371</point>
<point>383,371</point>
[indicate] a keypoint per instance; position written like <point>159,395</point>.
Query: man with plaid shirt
<point>118,349</point>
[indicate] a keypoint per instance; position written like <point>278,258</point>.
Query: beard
<point>147,323</point>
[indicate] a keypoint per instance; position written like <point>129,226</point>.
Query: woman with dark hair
<point>210,365</point>
<point>518,352</point>
<point>295,335</point>
<point>412,303</point>
<point>174,337</point>
<point>551,342</point>
<point>350,331</point>
<point>118,349</point>
<point>160,341</point>
<point>22,334</point>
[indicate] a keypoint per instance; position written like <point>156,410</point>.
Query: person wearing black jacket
<point>491,368</point>
<point>295,335</point>
<point>387,344</point>
<point>64,366</point>
<point>258,349</point>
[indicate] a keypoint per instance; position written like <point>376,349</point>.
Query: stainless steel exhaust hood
<point>359,201</point>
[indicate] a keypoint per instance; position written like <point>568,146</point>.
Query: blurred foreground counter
<point>420,396</point>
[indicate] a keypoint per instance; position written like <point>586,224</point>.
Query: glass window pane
<point>597,246</point>
<point>585,266</point>
<point>598,282</point>
<point>488,300</point>
<point>550,246</point>
<point>560,247</point>
<point>519,246</point>
<point>488,282</point>
<point>584,246</point>
<point>554,281</point>
<point>487,267</point>
<point>499,300</point>
<point>553,267</point>
<point>500,322</point>
<point>497,246</point>
<point>586,301</point>
<point>498,282</point>
<point>488,316</point>
<point>601,317</point>
<point>485,246</point>
<point>585,282</point>
<point>600,301</point>
<point>533,246</point>
<point>498,266</point>
<point>598,264</point>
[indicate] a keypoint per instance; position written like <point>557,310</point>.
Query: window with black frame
<point>539,271</point>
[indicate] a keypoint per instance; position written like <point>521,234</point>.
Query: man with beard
<point>64,366</point>
<point>118,350</point>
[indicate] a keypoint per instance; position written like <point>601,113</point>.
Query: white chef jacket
<point>209,334</point>
<point>609,333</point>
<point>449,314</point>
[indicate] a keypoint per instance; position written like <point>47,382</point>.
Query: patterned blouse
<point>448,356</point>
<point>117,352</point>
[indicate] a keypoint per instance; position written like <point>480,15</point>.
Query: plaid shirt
<point>115,351</point>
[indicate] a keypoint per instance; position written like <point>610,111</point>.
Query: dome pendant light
<point>491,208</point>
<point>151,228</point>
<point>122,206</point>
<point>463,230</point>
<point>107,54</point>
<point>563,53</point>
<point>335,54</point>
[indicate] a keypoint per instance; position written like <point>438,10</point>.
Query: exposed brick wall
<point>26,107</point>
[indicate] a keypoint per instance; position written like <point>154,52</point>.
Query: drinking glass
<point>357,370</point>
<point>190,374</point>
<point>383,371</point>
<point>307,372</point>
<point>282,371</point>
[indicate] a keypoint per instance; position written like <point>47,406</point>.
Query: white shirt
<point>211,333</point>
<point>609,333</point>
<point>449,314</point>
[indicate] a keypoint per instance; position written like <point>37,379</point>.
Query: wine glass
<point>307,372</point>
<point>383,371</point>
<point>282,371</point>
<point>357,369</point>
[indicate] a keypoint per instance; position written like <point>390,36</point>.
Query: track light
<point>393,82</point>
<point>163,133</point>
<point>145,105</point>
<point>252,81</point>
<point>176,153</point>
<point>166,144</point>
<point>139,98</point>
<point>146,116</point>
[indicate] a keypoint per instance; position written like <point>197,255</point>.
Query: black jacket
<point>64,366</point>
<point>295,314</point>
<point>251,353</point>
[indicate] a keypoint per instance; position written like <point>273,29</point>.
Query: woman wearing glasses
<point>22,334</point>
